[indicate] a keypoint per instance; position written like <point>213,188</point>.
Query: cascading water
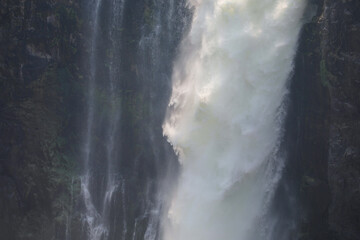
<point>91,213</point>
<point>224,121</point>
<point>225,117</point>
<point>130,51</point>
<point>97,214</point>
<point>157,45</point>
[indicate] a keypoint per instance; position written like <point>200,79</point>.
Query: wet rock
<point>334,159</point>
<point>36,115</point>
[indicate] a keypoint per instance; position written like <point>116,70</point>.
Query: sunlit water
<point>225,117</point>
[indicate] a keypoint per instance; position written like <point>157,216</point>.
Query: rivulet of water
<point>97,214</point>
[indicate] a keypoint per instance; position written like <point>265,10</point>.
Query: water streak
<point>97,219</point>
<point>91,214</point>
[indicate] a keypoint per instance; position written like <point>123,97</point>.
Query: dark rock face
<point>39,92</point>
<point>341,52</point>
<point>326,105</point>
<point>42,97</point>
<point>44,48</point>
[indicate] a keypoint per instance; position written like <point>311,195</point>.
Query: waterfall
<point>91,215</point>
<point>224,120</point>
<point>97,213</point>
<point>131,46</point>
<point>225,117</point>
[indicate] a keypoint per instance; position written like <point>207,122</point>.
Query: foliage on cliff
<point>327,131</point>
<point>39,88</point>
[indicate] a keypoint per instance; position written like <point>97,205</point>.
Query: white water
<point>225,117</point>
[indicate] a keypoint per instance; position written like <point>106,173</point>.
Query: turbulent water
<point>225,117</point>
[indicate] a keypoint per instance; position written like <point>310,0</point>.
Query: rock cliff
<point>325,100</point>
<point>42,100</point>
<point>40,78</point>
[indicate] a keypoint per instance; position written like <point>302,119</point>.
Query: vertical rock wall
<point>41,99</point>
<point>40,82</point>
<point>325,102</point>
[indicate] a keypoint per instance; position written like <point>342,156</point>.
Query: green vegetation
<point>307,182</point>
<point>148,15</point>
<point>324,74</point>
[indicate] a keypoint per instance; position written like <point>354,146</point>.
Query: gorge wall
<point>40,82</point>
<point>324,125</point>
<point>44,73</point>
<point>42,99</point>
